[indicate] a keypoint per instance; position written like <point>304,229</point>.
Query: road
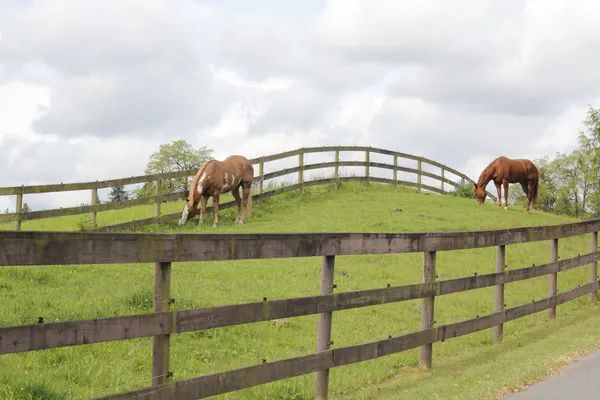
<point>580,380</point>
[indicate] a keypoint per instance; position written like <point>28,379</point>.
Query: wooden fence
<point>61,248</point>
<point>261,179</point>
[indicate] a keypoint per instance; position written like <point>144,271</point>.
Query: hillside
<point>78,292</point>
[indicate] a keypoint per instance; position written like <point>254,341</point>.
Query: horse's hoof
<point>506,208</point>
<point>214,225</point>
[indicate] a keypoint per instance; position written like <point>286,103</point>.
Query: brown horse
<point>503,171</point>
<point>213,179</point>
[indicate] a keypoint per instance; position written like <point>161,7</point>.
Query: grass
<point>466,367</point>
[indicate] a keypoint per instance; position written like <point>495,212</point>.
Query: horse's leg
<point>499,194</point>
<point>238,202</point>
<point>530,190</point>
<point>246,187</point>
<point>203,200</point>
<point>216,195</point>
<point>505,184</point>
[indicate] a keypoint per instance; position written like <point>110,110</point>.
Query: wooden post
<point>160,345</point>
<point>301,170</point>
<point>419,168</point>
<point>427,306</point>
<point>594,266</point>
<point>94,213</point>
<point>324,326</point>
<point>395,170</point>
<point>553,276</point>
<point>19,210</point>
<point>261,173</point>
<point>499,298</point>
<point>337,166</point>
<point>443,177</point>
<point>367,161</point>
<point>157,189</point>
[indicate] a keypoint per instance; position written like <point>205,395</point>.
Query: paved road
<point>580,380</point>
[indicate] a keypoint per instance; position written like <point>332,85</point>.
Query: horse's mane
<point>194,184</point>
<point>484,177</point>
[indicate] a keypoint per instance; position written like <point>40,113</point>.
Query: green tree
<point>118,193</point>
<point>178,155</point>
<point>26,208</point>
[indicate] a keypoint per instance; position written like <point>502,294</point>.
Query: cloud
<point>460,81</point>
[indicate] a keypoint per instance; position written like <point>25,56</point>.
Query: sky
<point>89,89</point>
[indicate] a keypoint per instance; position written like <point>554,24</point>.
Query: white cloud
<point>87,92</point>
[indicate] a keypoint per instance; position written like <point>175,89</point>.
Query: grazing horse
<point>213,179</point>
<point>503,171</point>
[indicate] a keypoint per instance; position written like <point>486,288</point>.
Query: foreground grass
<point>529,349</point>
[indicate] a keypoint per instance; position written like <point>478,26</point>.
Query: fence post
<point>337,166</point>
<point>261,172</point>
<point>395,170</point>
<point>419,168</point>
<point>427,304</point>
<point>94,202</point>
<point>367,161</point>
<point>553,276</point>
<point>19,210</point>
<point>301,170</point>
<point>157,190</point>
<point>324,326</point>
<point>443,177</point>
<point>160,344</point>
<point>594,266</point>
<point>499,298</point>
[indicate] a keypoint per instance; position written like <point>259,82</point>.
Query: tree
<point>26,208</point>
<point>178,155</point>
<point>118,193</point>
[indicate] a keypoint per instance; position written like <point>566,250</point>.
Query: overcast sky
<point>89,89</point>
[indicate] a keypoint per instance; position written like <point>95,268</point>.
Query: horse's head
<point>479,194</point>
<point>190,207</point>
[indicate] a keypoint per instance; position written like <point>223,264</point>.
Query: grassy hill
<point>467,368</point>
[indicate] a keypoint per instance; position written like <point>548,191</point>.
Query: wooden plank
<point>593,268</point>
<point>552,284</point>
<point>499,292</point>
<point>16,339</point>
<point>427,309</point>
<point>67,248</point>
<point>242,378</point>
<point>161,343</point>
<point>115,205</point>
<point>324,326</point>
<point>68,187</point>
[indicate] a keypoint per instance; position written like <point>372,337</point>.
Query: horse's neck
<point>486,176</point>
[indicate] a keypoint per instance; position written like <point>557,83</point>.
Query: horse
<point>505,170</point>
<point>215,178</point>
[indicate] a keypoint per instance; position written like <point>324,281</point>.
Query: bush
<point>464,191</point>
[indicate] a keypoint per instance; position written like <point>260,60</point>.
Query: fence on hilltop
<point>67,248</point>
<point>260,178</point>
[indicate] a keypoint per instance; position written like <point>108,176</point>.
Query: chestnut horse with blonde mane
<point>503,171</point>
<point>215,178</point>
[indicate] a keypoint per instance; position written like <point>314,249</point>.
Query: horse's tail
<point>248,210</point>
<point>536,184</point>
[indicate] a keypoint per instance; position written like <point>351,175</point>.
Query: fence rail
<point>19,191</point>
<point>64,248</point>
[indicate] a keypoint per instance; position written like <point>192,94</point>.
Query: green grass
<point>465,367</point>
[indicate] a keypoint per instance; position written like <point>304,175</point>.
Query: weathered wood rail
<point>261,178</point>
<point>67,248</point>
